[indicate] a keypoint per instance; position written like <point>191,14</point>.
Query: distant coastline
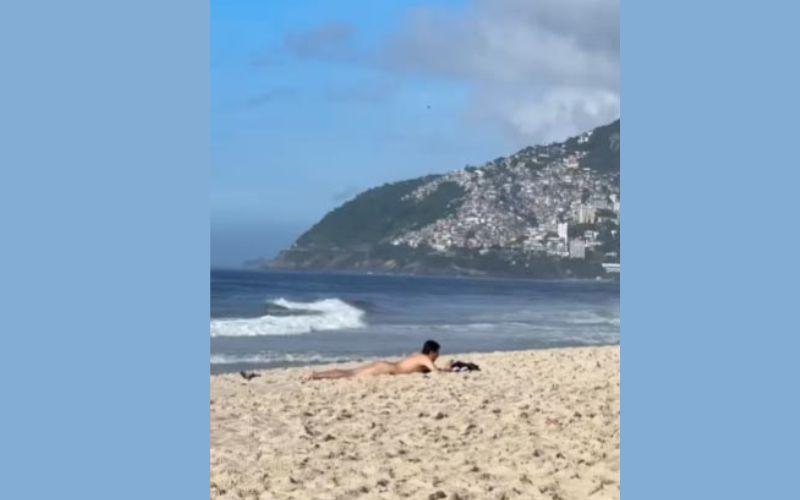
<point>545,212</point>
<point>265,267</point>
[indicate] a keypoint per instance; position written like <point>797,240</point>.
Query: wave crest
<point>320,315</point>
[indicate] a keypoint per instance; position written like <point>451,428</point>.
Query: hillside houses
<point>519,202</point>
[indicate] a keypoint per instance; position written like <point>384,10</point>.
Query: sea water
<point>279,319</point>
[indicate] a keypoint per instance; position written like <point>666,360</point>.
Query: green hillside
<point>497,218</point>
<point>379,213</point>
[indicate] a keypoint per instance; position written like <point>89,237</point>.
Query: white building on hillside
<point>577,249</point>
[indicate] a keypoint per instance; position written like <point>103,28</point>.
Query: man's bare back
<point>416,363</point>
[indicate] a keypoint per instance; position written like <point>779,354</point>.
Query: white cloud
<point>558,113</point>
<point>544,69</point>
<point>540,69</point>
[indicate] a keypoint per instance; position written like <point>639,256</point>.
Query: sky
<point>315,101</point>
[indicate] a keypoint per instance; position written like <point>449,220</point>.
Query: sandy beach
<point>531,425</point>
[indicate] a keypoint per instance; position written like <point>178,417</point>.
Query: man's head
<point>431,349</point>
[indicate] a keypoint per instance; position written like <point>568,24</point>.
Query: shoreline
<point>540,423</point>
<point>236,367</point>
<point>613,278</point>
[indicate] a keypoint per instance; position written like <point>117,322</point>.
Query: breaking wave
<point>295,318</point>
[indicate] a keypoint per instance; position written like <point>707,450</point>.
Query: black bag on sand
<point>249,376</point>
<point>461,366</point>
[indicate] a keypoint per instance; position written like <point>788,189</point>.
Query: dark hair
<point>430,346</point>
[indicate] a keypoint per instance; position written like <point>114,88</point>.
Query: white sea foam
<point>276,357</point>
<point>592,318</point>
<point>321,315</point>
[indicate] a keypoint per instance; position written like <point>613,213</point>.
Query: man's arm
<point>433,368</point>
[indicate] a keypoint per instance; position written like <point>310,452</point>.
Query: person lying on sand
<point>417,363</point>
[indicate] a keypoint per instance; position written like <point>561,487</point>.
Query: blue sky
<point>315,101</point>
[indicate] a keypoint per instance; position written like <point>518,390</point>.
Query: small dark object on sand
<point>461,366</point>
<point>249,376</point>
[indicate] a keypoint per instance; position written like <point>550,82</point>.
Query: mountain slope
<point>545,211</point>
<point>379,212</point>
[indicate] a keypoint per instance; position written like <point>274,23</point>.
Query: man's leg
<point>331,374</point>
<point>377,368</point>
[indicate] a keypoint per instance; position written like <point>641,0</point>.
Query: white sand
<point>532,424</point>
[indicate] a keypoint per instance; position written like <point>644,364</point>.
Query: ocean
<point>279,319</point>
